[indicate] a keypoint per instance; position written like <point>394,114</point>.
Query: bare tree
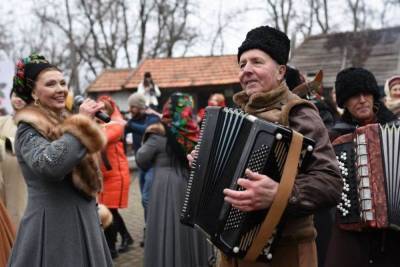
<point>387,4</point>
<point>281,12</point>
<point>96,33</point>
<point>172,20</point>
<point>305,24</point>
<point>225,20</point>
<point>145,9</point>
<point>355,47</point>
<point>358,14</point>
<point>321,6</point>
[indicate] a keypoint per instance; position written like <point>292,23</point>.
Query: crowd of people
<point>58,167</point>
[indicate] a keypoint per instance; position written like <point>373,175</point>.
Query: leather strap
<point>281,198</point>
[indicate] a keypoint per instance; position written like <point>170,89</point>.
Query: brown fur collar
<point>86,176</point>
<point>156,128</point>
<point>273,106</point>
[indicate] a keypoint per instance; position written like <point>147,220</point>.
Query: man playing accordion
<point>357,92</point>
<point>262,60</point>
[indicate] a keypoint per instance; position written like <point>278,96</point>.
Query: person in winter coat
<point>57,153</point>
<point>262,60</point>
<point>215,100</point>
<point>310,90</point>
<point>168,243</point>
<point>150,91</point>
<point>141,117</point>
<point>12,184</point>
<point>116,176</point>
<point>357,92</point>
<point>392,91</point>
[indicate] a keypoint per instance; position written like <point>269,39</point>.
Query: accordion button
<point>235,249</point>
<point>278,136</point>
<point>310,148</point>
<point>269,256</point>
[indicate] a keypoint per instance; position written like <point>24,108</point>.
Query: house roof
<point>187,71</point>
<point>109,80</point>
<point>375,50</point>
<point>171,73</point>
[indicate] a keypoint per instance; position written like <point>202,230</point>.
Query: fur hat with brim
<point>353,81</point>
<point>270,40</point>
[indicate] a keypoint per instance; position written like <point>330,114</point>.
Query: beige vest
<point>13,191</point>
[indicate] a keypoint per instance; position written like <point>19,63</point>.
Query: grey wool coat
<point>168,243</point>
<point>60,226</point>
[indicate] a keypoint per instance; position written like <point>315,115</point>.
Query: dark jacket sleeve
<point>147,153</point>
<point>132,126</point>
<point>319,184</point>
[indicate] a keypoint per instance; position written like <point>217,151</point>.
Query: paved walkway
<point>133,217</point>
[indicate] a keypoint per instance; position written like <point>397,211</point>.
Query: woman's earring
<point>36,101</point>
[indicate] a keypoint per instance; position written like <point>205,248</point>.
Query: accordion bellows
<point>369,163</point>
<point>231,141</point>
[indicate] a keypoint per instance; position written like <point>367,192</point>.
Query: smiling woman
<point>51,90</point>
<point>56,152</point>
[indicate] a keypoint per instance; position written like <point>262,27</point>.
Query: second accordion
<point>369,160</point>
<point>231,141</point>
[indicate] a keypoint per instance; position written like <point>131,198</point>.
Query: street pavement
<point>133,217</point>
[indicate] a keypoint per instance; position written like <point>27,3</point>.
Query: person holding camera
<point>150,91</point>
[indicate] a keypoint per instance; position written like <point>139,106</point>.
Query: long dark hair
<point>175,151</point>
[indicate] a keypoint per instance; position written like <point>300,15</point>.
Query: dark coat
<point>61,225</point>
<point>366,248</point>
<point>316,187</point>
<point>168,242</point>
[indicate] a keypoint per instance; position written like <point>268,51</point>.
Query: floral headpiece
<point>26,71</point>
<point>178,116</point>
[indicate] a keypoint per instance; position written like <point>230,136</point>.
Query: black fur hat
<point>270,40</point>
<point>352,81</point>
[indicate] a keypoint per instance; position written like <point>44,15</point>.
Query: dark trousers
<point>118,226</point>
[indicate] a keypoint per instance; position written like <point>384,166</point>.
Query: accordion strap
<point>281,198</point>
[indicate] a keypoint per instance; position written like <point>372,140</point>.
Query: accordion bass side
<point>231,141</point>
<point>369,163</point>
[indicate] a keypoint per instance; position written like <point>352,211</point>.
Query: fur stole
<point>156,128</point>
<point>86,176</point>
<point>273,106</point>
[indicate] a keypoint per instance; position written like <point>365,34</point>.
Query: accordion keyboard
<point>230,142</point>
<point>369,161</point>
<point>348,205</point>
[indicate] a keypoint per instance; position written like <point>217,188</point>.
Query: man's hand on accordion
<point>259,192</point>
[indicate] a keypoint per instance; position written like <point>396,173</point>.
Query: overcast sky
<point>207,13</point>
<point>234,35</point>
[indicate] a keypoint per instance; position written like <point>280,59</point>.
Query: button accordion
<point>369,163</point>
<point>231,141</point>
